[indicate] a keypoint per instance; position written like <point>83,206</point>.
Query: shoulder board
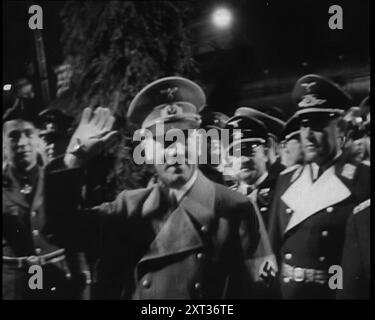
<point>348,171</point>
<point>362,206</point>
<point>366,163</point>
<point>290,169</point>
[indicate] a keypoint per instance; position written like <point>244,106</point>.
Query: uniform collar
<point>306,197</point>
<point>246,188</point>
<point>182,230</point>
<point>315,168</point>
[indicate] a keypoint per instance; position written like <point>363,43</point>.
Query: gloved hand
<point>91,136</point>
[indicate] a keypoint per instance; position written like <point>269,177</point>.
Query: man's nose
<point>176,149</point>
<point>307,132</point>
<point>23,140</point>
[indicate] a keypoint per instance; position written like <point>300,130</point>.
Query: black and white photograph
<point>210,151</point>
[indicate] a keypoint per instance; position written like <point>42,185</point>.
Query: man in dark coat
<point>55,125</point>
<point>356,261</point>
<point>184,237</point>
<point>256,174</point>
<point>249,168</point>
<point>312,202</point>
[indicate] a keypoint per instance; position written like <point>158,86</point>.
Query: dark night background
<point>254,63</point>
<point>270,44</point>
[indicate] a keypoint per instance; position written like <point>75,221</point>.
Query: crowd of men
<point>288,200</point>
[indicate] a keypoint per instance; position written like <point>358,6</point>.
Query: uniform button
<point>200,256</point>
<point>204,228</point>
<point>329,209</point>
<point>288,211</point>
<point>321,259</point>
<point>33,214</point>
<point>324,233</point>
<point>35,232</point>
<point>288,256</point>
<point>146,283</point>
<point>197,285</point>
<point>38,251</point>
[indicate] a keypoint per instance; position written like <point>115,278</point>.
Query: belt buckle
<point>32,260</point>
<point>298,274</point>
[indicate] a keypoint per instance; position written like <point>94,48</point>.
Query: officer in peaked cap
<point>165,252</point>
<point>355,146</point>
<point>275,127</point>
<point>246,134</point>
<point>214,122</point>
<point>54,120</point>
<point>173,101</point>
<point>292,152</point>
<point>266,174</point>
<point>30,232</point>
<point>313,201</point>
<point>55,125</point>
<point>249,166</point>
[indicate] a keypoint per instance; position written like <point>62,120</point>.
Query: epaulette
<point>348,171</point>
<point>362,206</point>
<point>366,162</point>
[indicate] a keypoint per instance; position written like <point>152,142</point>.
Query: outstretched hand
<point>93,133</point>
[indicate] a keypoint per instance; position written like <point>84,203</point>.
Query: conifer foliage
<point>116,48</point>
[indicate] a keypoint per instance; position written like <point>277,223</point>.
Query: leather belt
<point>298,274</point>
<point>21,262</point>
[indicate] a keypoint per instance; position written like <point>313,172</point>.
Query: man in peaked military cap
<point>214,122</point>
<point>54,132</point>
<point>32,236</point>
<point>355,148</point>
<point>273,118</point>
<point>255,178</point>
<point>313,201</point>
<point>248,160</point>
<point>184,237</point>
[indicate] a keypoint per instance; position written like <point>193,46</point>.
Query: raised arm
<point>92,135</point>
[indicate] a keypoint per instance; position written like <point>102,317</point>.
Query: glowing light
<point>222,18</point>
<point>7,87</point>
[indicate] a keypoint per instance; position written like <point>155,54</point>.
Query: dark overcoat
<point>202,248</point>
<point>356,261</point>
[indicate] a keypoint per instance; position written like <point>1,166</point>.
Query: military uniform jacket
<point>308,219</point>
<point>29,230</point>
<point>25,231</point>
<point>356,261</point>
<point>201,250</point>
